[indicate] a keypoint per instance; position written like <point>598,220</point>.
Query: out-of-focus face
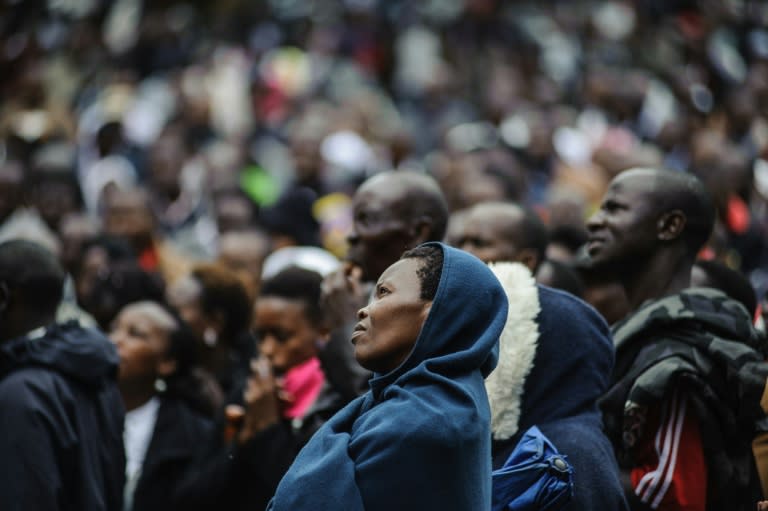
<point>243,254</point>
<point>487,235</point>
<point>184,296</point>
<point>624,229</point>
<point>11,184</point>
<point>389,326</point>
<point>54,199</point>
<point>380,230</point>
<point>141,333</point>
<point>95,264</point>
<point>166,160</point>
<point>233,213</point>
<point>286,336</point>
<point>74,231</point>
<point>128,216</point>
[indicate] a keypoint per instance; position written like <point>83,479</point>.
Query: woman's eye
<point>136,332</point>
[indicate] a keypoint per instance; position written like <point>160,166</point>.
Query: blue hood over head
<point>420,439</point>
<point>458,334</point>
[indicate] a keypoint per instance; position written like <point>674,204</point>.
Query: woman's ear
<point>166,367</point>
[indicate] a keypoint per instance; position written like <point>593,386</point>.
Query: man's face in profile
<point>486,236</point>
<point>380,230</point>
<point>623,230</point>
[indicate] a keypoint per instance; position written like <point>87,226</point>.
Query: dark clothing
<point>244,477</point>
<point>178,434</point>
<point>702,343</point>
<point>556,357</point>
<point>340,367</point>
<point>61,426</point>
<point>420,438</point>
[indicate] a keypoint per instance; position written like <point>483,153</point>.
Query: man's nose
<point>595,221</point>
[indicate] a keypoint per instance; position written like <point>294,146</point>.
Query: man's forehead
<point>385,194</point>
<point>635,182</point>
<point>496,218</point>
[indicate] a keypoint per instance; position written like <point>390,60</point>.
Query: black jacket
<point>61,422</point>
<point>178,434</point>
<point>244,477</point>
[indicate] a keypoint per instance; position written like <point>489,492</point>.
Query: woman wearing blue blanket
<point>420,438</point>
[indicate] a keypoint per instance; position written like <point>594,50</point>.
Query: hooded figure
<point>555,362</point>
<point>61,415</point>
<point>61,426</point>
<point>420,437</point>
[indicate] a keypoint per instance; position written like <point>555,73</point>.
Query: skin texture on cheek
<point>390,325</point>
<point>286,336</point>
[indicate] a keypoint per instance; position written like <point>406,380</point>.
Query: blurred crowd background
<point>176,131</point>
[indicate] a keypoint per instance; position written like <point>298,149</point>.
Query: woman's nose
<point>362,313</point>
<point>267,346</point>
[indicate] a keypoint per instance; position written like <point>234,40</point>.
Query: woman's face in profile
<point>184,296</point>
<point>286,334</point>
<point>389,326</point>
<point>141,334</point>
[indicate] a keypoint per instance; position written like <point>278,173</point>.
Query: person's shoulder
<point>565,307</point>
<point>32,386</point>
<point>560,299</point>
<point>432,413</point>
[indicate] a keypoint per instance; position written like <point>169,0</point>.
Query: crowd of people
<point>361,254</point>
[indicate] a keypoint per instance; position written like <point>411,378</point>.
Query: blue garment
<point>569,372</point>
<point>535,477</point>
<point>420,438</point>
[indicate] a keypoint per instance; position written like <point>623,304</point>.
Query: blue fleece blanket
<point>420,438</point>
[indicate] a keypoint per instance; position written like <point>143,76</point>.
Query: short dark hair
<point>34,272</point>
<point>534,233</point>
<point>223,290</point>
<point>570,236</point>
<point>431,268</point>
<point>299,284</point>
<point>686,192</point>
<point>424,197</point>
<point>124,282</point>
<point>186,383</point>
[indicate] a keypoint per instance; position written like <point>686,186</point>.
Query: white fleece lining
<point>517,348</point>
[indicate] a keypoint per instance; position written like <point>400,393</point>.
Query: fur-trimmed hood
<point>556,356</point>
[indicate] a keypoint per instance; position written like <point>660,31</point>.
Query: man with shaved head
<point>392,212</point>
<point>688,378</point>
<point>504,231</point>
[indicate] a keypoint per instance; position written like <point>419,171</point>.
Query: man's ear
<point>671,225</point>
<point>529,257</point>
<point>420,230</point>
